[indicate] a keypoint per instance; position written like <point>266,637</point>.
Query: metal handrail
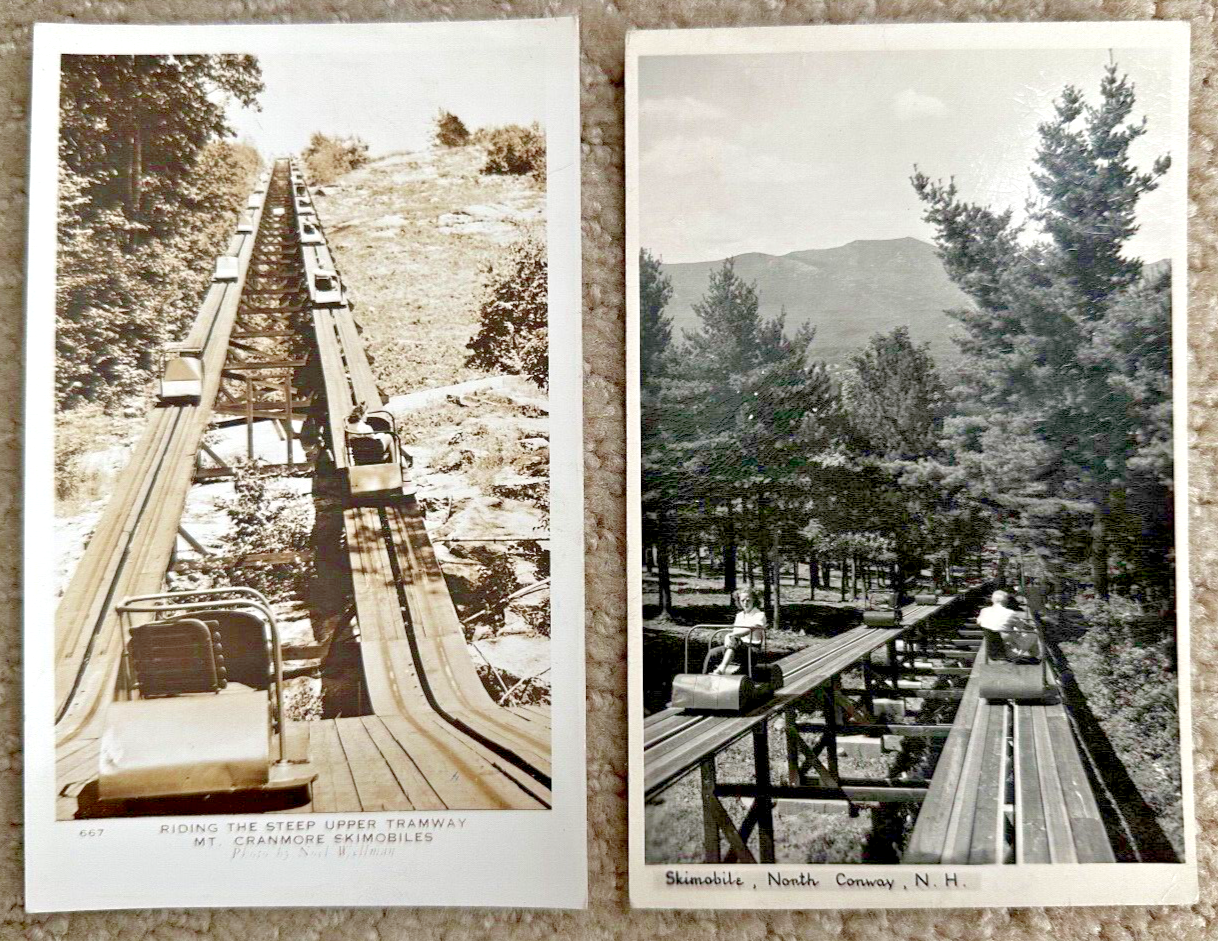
<point>719,629</point>
<point>253,599</point>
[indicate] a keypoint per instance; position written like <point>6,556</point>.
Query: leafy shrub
<point>328,158</point>
<point>537,616</point>
<point>1131,685</point>
<point>450,130</point>
<point>268,516</point>
<point>513,334</point>
<point>516,151</point>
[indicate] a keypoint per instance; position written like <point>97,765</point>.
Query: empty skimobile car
<point>309,233</point>
<point>228,268</point>
<point>181,372</point>
<point>882,610</point>
<point>201,700</point>
<point>376,462</point>
<point>752,684</point>
<point>325,288</point>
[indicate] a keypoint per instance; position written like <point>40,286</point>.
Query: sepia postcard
<point>908,597</point>
<point>304,523</point>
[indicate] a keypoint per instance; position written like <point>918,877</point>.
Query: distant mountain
<point>849,293</point>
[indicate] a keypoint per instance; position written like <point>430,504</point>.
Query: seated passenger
<point>1010,633</point>
<point>744,630</point>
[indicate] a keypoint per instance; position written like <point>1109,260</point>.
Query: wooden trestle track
<point>1009,785</point>
<point>435,738</point>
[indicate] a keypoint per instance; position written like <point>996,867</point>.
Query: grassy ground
<point>414,235</point>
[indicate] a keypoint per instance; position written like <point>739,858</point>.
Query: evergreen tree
<point>659,483</point>
<point>748,415</point>
<point>655,291</point>
<point>1053,422</point>
<point>896,402</point>
<point>895,398</point>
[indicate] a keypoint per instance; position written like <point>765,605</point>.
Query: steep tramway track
<point>436,739</point>
<point>134,542</point>
<point>439,644</point>
<point>416,665</point>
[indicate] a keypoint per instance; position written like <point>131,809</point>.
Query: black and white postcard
<point>908,620</point>
<point>304,539</point>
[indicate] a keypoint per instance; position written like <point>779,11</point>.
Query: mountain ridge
<point>849,292</point>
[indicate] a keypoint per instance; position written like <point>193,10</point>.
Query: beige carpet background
<point>604,24</point>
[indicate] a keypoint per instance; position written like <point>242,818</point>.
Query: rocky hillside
<point>414,234</point>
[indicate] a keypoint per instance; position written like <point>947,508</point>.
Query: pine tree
<point>896,403</point>
<point>655,337</point>
<point>659,483</point>
<point>749,415</point>
<point>1051,427</point>
<point>896,399</point>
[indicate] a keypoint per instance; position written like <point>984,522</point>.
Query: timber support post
<point>710,825</point>
<point>763,803</point>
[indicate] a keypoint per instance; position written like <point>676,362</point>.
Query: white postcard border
<point>493,858</point>
<point>762,886</point>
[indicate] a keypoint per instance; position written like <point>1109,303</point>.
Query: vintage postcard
<point>304,583</point>
<point>907,475</point>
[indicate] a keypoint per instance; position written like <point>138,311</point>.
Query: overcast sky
<point>390,100</point>
<point>785,152</point>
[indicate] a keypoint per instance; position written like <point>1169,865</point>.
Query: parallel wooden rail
<point>676,742</point>
<point>1009,787</point>
<point>436,739</point>
<point>131,547</point>
<point>418,671</point>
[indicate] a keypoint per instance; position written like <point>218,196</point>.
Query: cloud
<point>685,108</point>
<point>705,160</point>
<point>910,105</point>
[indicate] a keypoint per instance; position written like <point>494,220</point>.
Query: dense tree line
<point>1050,444</point>
<point>148,194</point>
